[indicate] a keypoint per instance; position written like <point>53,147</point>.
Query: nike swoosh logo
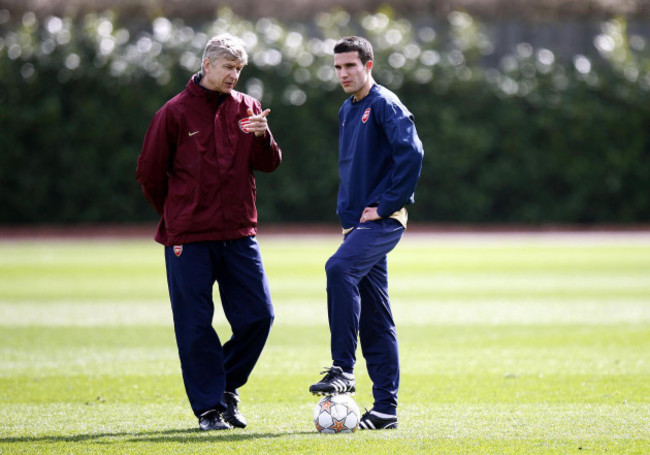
<point>192,134</point>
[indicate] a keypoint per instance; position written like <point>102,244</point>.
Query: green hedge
<point>534,140</point>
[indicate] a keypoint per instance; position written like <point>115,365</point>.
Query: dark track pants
<point>358,304</point>
<point>209,368</point>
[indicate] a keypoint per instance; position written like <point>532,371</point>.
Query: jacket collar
<point>196,89</point>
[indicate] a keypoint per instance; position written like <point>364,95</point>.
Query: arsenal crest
<point>243,124</point>
<point>366,114</point>
<point>178,250</point>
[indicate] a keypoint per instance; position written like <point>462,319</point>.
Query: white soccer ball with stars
<point>337,414</point>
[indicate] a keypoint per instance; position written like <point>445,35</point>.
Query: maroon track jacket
<point>196,166</point>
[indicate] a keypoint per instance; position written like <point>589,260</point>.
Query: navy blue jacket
<point>380,156</point>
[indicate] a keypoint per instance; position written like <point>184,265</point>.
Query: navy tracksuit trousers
<point>358,305</point>
<point>209,368</point>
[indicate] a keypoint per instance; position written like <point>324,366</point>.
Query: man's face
<point>221,74</point>
<point>351,73</point>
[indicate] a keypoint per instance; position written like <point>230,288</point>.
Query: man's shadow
<point>180,435</point>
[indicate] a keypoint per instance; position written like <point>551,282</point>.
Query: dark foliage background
<point>517,135</point>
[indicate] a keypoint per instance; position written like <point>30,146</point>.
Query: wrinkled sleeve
<point>408,154</point>
<point>154,160</point>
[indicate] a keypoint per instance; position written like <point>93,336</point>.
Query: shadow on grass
<point>188,435</point>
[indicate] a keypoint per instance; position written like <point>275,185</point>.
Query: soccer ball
<point>337,414</point>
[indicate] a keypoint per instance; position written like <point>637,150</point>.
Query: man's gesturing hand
<point>257,123</point>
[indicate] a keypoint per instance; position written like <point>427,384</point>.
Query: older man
<point>197,170</point>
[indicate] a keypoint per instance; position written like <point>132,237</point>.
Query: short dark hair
<point>355,43</point>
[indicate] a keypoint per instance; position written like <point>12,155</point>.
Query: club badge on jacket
<point>366,115</point>
<point>243,124</point>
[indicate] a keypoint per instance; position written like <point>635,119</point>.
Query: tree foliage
<point>531,140</point>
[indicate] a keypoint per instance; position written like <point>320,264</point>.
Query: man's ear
<point>369,65</point>
<point>205,64</point>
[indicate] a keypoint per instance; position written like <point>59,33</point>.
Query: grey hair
<point>227,46</point>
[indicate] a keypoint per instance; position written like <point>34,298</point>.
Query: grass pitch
<point>521,344</point>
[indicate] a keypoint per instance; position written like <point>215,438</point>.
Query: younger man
<point>380,159</point>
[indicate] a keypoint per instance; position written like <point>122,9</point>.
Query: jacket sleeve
<point>154,160</point>
<point>408,155</point>
<point>266,155</point>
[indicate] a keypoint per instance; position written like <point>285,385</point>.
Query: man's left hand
<point>369,214</point>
